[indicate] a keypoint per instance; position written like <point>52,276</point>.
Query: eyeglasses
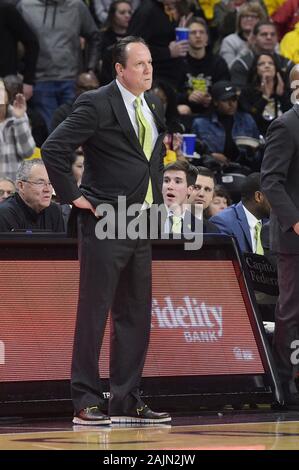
<point>8,193</point>
<point>39,183</point>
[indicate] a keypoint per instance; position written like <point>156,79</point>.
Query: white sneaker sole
<point>84,422</point>
<point>130,419</point>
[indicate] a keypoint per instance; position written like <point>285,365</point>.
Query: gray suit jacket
<point>280,180</point>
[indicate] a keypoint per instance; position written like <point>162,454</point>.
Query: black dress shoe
<point>292,401</point>
<point>91,416</point>
<point>141,414</point>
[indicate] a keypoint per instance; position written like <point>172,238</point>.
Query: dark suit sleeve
<point>210,227</point>
<point>279,152</point>
<point>67,137</point>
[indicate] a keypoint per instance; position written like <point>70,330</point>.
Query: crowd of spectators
<point>225,83</point>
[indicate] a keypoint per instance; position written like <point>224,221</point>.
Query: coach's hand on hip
<point>83,203</point>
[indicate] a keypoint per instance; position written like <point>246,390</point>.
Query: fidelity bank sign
<point>201,322</point>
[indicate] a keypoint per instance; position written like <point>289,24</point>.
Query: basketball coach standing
<point>121,129</point>
<point>280,183</point>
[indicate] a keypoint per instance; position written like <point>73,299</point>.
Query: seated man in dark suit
<point>7,188</point>
<point>30,208</point>
<point>244,220</point>
<point>179,179</point>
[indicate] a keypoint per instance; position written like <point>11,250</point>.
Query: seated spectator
<point>201,70</point>
<point>265,97</point>
<point>115,28</point>
<point>202,194</point>
<point>116,25</point>
<point>78,165</point>
<point>249,14</point>
<point>7,188</point>
<point>102,8</point>
<point>221,200</point>
<point>244,220</point>
<point>206,9</point>
<point>16,141</point>
<point>225,19</point>
<point>30,208</point>
<point>219,130</point>
<point>203,188</point>
<point>264,39</point>
<point>86,81</point>
<point>156,26</point>
<point>179,179</point>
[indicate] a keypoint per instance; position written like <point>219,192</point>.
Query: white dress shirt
<point>129,99</point>
<point>168,222</point>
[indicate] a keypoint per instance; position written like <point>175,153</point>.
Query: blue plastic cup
<point>181,34</point>
<point>189,141</point>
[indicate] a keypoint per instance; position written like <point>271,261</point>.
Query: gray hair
<point>5,178</point>
<point>25,168</point>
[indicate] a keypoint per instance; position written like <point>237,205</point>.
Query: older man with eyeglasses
<point>31,208</point>
<point>7,188</point>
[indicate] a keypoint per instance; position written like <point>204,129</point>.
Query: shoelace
<point>139,410</point>
<point>90,408</point>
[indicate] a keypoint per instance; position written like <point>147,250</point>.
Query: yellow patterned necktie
<point>259,247</point>
<point>145,139</point>
<point>176,224</point>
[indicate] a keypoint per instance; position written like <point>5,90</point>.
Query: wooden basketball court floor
<point>224,431</point>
